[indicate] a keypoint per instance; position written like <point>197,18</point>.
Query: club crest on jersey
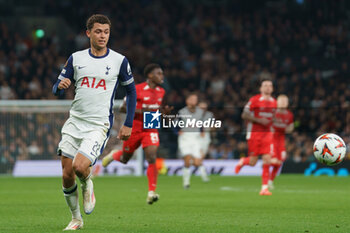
<point>92,83</point>
<point>151,120</point>
<point>107,70</point>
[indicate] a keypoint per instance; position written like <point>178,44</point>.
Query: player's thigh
<point>150,150</point>
<point>81,164</point>
<point>92,145</point>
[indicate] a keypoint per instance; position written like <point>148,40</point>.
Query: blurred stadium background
<point>217,48</point>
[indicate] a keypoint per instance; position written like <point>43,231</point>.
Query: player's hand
<point>263,121</point>
<point>202,134</point>
<point>64,84</point>
<point>180,132</point>
<point>124,133</point>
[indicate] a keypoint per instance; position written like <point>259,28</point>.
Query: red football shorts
<point>279,150</point>
<point>138,138</point>
<point>260,146</point>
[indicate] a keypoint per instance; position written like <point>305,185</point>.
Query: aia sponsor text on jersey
<point>92,83</point>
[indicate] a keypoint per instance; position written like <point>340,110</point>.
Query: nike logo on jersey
<point>81,67</point>
<point>146,98</point>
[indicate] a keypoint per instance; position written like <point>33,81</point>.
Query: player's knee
<point>252,162</point>
<point>151,159</point>
<point>197,163</point>
<point>124,160</point>
<point>187,163</point>
<point>275,161</point>
<point>267,161</point>
<point>67,176</point>
<point>78,169</point>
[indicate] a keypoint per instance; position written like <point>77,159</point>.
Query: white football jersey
<point>96,80</point>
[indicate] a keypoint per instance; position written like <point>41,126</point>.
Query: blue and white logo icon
<point>151,120</point>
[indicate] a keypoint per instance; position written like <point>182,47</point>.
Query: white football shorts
<point>189,144</point>
<point>82,137</point>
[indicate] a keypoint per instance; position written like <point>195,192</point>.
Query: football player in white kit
<point>205,134</point>
<point>189,141</point>
<point>96,73</point>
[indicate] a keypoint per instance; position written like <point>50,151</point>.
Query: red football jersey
<point>281,121</point>
<point>146,98</point>
<point>260,108</point>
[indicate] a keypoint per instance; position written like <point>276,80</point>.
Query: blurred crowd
<point>219,49</point>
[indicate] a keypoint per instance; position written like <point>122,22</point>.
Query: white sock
<point>85,180</point>
<point>71,196</point>
<point>203,173</point>
<point>264,186</point>
<point>186,175</point>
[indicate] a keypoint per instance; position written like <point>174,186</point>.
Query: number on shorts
<point>95,149</point>
<point>154,138</point>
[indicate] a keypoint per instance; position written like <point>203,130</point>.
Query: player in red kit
<point>282,123</point>
<point>259,112</point>
<point>149,99</point>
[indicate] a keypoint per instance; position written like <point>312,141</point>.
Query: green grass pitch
<point>226,204</point>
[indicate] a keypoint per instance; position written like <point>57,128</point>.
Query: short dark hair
<point>149,68</point>
<point>265,79</point>
<point>102,19</point>
<point>192,94</point>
